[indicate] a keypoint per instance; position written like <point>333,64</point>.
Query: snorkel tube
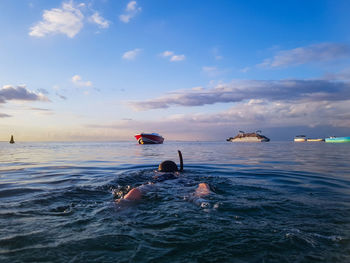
<point>181,161</point>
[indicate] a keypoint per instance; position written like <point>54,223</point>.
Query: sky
<point>104,70</point>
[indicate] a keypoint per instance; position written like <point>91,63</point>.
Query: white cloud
<point>172,56</point>
<point>216,54</point>
<point>207,69</point>
<point>245,70</point>
<point>177,58</point>
<point>56,87</point>
<point>309,54</point>
<point>78,81</point>
<point>213,71</point>
<point>198,88</point>
<point>131,10</point>
<point>131,54</point>
<point>131,6</point>
<point>167,53</point>
<point>66,20</point>
<point>99,20</point>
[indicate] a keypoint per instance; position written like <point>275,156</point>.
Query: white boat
<point>315,140</point>
<point>300,138</point>
<point>248,137</point>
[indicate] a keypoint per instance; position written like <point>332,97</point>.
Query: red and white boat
<point>149,138</point>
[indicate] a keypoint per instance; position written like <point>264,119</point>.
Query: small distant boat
<point>248,137</point>
<point>149,138</point>
<point>315,140</point>
<point>300,138</point>
<point>12,140</point>
<point>338,139</point>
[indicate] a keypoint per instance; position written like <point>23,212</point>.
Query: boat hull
<point>315,140</point>
<point>338,139</point>
<point>300,140</point>
<point>248,139</point>
<point>149,139</point>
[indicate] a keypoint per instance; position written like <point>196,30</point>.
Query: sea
<point>269,202</point>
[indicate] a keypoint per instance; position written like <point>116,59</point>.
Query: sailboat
<point>12,140</point>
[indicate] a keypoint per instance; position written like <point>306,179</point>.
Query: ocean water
<point>270,202</point>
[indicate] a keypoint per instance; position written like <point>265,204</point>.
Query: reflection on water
<point>272,202</point>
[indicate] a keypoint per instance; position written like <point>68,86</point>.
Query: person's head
<point>170,166</point>
<point>167,166</point>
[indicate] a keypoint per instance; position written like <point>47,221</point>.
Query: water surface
<point>271,202</point>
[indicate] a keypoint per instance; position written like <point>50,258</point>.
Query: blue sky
<point>190,70</point>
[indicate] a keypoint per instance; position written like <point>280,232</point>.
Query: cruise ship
<point>249,137</point>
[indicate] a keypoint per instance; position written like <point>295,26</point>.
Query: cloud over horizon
<point>9,92</point>
<point>4,115</point>
<point>248,115</point>
<point>309,54</point>
<point>241,90</point>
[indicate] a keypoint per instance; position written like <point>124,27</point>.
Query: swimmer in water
<point>171,171</point>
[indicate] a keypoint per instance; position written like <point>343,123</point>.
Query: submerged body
<point>169,171</point>
<point>136,193</point>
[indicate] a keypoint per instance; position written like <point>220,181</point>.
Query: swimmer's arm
<point>198,196</point>
<point>135,194</point>
<point>202,190</point>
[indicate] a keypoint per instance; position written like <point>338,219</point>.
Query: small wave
<point>18,192</point>
<point>334,238</point>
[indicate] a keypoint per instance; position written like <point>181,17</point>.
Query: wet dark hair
<point>167,166</point>
<point>170,166</point>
